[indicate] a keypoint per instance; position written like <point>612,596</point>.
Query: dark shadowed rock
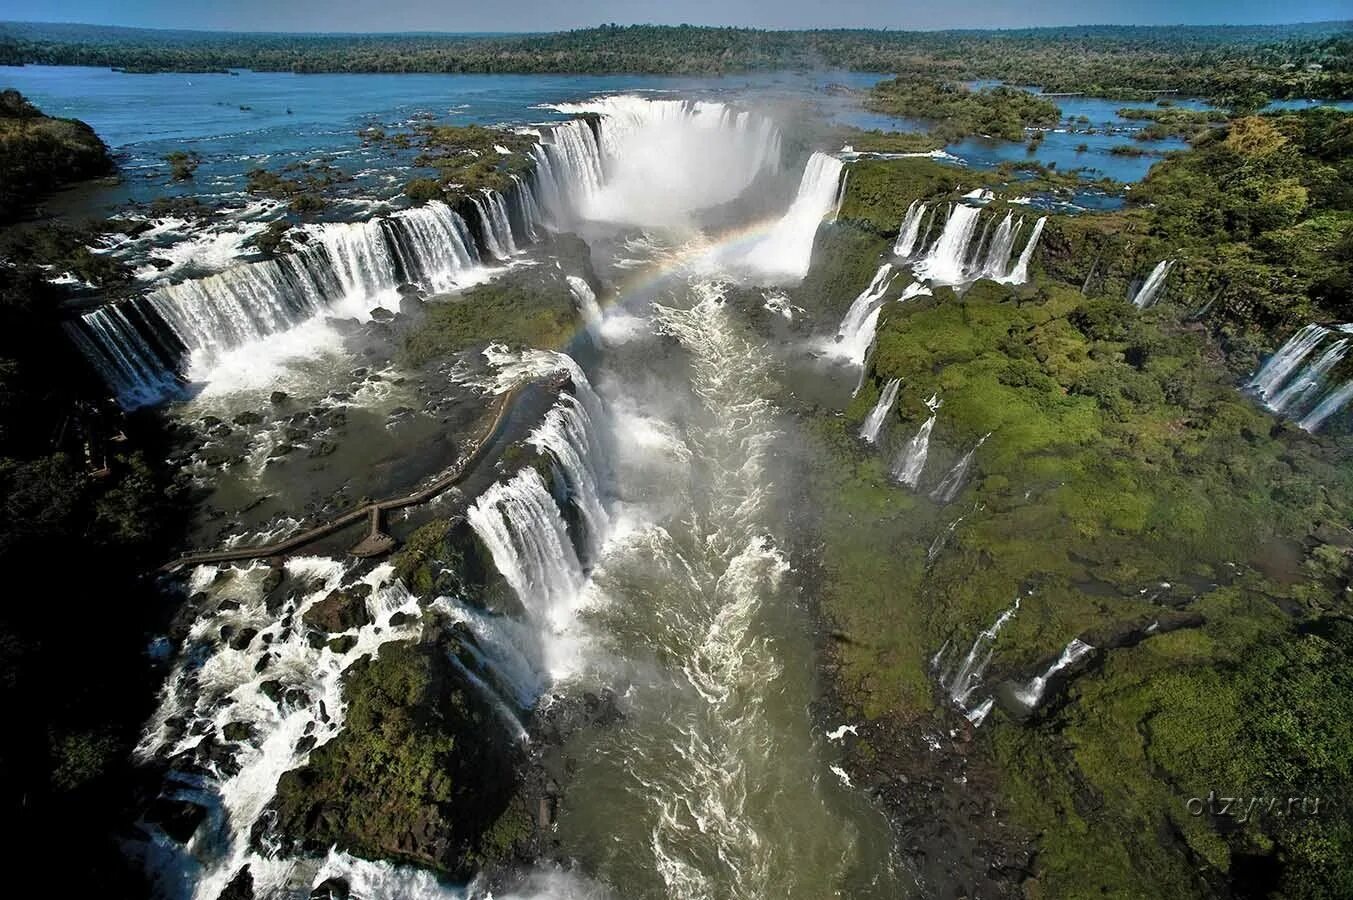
<point>342,610</point>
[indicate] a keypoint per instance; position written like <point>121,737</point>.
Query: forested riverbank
<point>1109,581</point>
<point>1300,60</point>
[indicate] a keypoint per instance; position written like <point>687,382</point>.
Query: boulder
<point>277,397</point>
<point>343,643</point>
<point>243,639</point>
<point>241,887</point>
<point>342,610</point>
<point>249,417</point>
<point>381,314</point>
<point>237,731</point>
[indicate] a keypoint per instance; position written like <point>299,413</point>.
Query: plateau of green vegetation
<point>957,112</point>
<point>1125,481</point>
<point>528,308</point>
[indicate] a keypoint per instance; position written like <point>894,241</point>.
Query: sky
<point>553,15</point>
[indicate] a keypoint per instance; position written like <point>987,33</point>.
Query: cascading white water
<point>1031,694</point>
<point>856,332</point>
<point>956,477</point>
<point>968,677</point>
<point>284,692</point>
<point>356,265</point>
<point>495,225</point>
<point>997,262</point>
<point>1309,381</point>
<point>666,159</point>
<point>873,423</point>
<point>520,524</point>
<point>1290,385</point>
<point>782,254</point>
<point>1020,274</point>
<point>1275,371</point>
<point>910,461</point>
<point>910,231</point>
<point>567,435</point>
<point>587,303</point>
<point>137,373</point>
<point>945,263</point>
<point>1146,294</point>
<point>1334,401</point>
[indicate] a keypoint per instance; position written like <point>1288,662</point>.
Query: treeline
<point>1307,60</point>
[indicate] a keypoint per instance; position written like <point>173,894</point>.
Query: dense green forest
<point>1306,60</point>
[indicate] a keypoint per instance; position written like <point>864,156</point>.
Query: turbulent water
<point>649,550</point>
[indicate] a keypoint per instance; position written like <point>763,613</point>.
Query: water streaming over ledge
<point>1294,381</point>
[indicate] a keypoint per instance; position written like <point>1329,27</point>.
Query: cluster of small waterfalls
<point>1295,381</point>
<point>968,246</point>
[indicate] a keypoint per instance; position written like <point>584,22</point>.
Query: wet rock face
<point>423,770</point>
<point>343,610</point>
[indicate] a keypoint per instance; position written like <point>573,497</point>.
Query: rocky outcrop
<point>423,771</point>
<point>39,154</point>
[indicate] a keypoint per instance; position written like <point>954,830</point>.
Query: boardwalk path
<point>376,541</point>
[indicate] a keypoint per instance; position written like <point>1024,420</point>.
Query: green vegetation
<point>303,185</point>
<point>1310,60</point>
<point>527,308</point>
<point>415,775</point>
<point>958,112</point>
<point>467,158</point>
<point>39,154</point>
<point>183,164</point>
<point>1125,478</point>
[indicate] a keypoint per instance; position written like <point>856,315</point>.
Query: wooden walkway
<point>377,541</point>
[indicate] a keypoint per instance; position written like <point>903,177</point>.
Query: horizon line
<point>602,25</point>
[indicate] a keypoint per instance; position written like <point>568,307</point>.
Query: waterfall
<point>1020,274</point>
<point>1309,380</point>
<point>954,479</point>
<point>567,435</point>
<point>525,200</point>
<point>1146,295</point>
<point>873,423</point>
<point>907,235</point>
<point>969,675</point>
<point>659,161</point>
<point>496,226</point>
<point>138,373</point>
<point>1332,403</point>
<point>1290,355</point>
<point>785,250</point>
<point>910,462</point>
<point>857,328</point>
<point>587,303</point>
<point>997,262</point>
<point>937,545</point>
<point>1290,385</point>
<point>1031,694</point>
<point>946,261</point>
<point>521,526</point>
<point>358,264</point>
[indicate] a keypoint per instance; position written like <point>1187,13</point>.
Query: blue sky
<point>549,15</point>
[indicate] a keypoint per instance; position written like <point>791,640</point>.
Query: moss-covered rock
<point>423,770</point>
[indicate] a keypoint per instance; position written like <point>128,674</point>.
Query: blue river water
<point>246,120</point>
